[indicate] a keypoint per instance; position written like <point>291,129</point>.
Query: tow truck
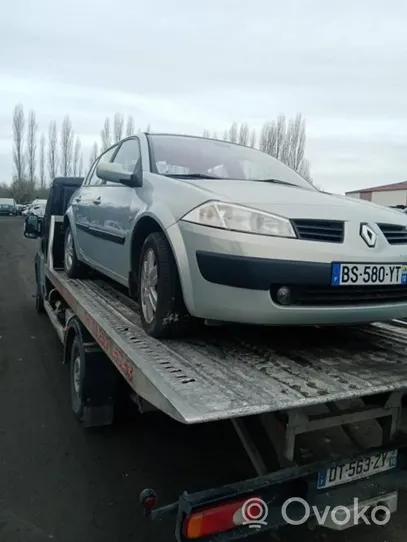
<point>275,387</point>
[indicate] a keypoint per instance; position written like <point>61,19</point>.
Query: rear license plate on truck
<point>360,274</point>
<point>355,470</point>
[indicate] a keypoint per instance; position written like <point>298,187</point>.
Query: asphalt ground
<point>60,482</point>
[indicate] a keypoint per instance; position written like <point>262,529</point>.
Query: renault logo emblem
<point>368,235</point>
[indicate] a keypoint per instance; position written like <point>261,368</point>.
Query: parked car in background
<point>38,209</point>
<point>20,208</point>
<point>8,207</point>
<point>38,205</point>
<point>223,232</point>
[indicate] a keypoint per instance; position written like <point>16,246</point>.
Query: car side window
<point>128,154</point>
<point>106,157</point>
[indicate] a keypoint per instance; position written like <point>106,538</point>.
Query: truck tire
<point>77,372</point>
<point>39,301</point>
<point>162,308</point>
<point>73,267</point>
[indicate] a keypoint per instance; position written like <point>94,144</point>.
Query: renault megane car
<point>197,227</point>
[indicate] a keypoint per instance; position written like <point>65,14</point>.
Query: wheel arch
<point>73,329</point>
<point>146,225</point>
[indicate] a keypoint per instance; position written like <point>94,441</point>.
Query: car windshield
<point>211,158</point>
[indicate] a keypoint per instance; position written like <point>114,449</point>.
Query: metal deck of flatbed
<point>229,372</point>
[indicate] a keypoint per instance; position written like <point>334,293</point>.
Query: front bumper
<point>225,277</point>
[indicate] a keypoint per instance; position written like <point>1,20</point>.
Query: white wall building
<point>387,194</point>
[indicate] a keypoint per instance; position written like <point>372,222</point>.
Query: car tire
<point>169,318</point>
<point>73,267</point>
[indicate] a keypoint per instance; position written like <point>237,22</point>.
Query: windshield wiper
<point>276,181</point>
<point>205,176</point>
<point>192,176</point>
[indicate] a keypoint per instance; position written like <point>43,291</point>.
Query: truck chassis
<point>268,383</point>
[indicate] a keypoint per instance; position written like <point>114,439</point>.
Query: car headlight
<point>228,216</point>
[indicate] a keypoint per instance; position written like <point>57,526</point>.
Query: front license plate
<point>362,468</point>
<point>360,274</point>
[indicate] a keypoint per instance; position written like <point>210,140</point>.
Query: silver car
<point>197,227</point>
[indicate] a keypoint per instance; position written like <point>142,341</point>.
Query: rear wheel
<point>77,367</point>
<point>73,267</point>
<point>163,311</point>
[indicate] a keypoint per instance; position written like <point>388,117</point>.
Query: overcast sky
<point>186,65</point>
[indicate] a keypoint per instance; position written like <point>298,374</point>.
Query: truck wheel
<point>39,302</point>
<point>77,372</point>
<point>73,267</point>
<point>163,312</point>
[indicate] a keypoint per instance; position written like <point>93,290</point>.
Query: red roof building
<point>385,194</point>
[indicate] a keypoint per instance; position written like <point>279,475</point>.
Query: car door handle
<point>97,201</point>
<point>78,199</point>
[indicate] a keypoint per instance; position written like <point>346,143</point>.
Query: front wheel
<point>73,267</point>
<point>39,302</point>
<point>163,311</point>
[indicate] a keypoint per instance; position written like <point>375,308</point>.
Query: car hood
<point>295,202</point>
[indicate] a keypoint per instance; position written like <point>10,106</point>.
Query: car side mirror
<point>32,227</point>
<point>115,173</point>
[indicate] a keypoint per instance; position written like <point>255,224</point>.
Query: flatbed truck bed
<point>267,382</point>
<point>224,373</point>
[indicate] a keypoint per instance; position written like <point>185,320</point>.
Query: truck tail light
<point>222,517</point>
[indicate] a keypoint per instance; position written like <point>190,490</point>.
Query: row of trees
<point>39,158</point>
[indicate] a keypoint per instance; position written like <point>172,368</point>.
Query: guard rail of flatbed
<point>229,372</point>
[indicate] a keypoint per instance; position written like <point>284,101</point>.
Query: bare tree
<point>215,135</point>
<point>244,134</point>
<point>286,142</point>
<point>296,140</point>
<point>148,129</point>
<point>105,135</point>
<point>18,142</point>
<point>267,135</point>
<point>76,157</point>
<point>80,165</point>
<point>130,126</point>
<point>281,142</point>
<point>226,135</point>
<point>66,144</point>
<point>94,153</point>
<point>42,161</point>
<point>118,123</point>
<point>32,130</point>
<point>253,139</point>
<point>206,133</point>
<point>273,139</point>
<point>233,133</point>
<point>52,150</point>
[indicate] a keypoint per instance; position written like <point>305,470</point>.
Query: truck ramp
<point>233,371</point>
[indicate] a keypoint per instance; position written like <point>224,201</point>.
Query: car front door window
<point>94,180</point>
<point>128,155</point>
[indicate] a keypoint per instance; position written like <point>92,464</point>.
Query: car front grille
<point>328,231</point>
<point>328,296</point>
<point>394,233</point>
